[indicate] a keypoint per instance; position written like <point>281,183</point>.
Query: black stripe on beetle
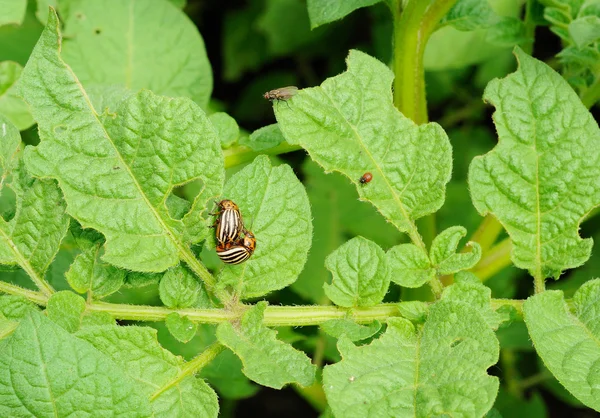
<point>238,252</point>
<point>234,254</point>
<point>229,222</point>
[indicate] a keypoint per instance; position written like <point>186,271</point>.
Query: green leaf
<point>443,252</point>
<point>414,310</point>
<point>244,49</point>
<point>585,30</point>
<point>468,15</point>
<point>409,265</point>
<point>360,274</point>
<point>227,128</point>
<point>468,290</point>
<point>536,181</point>
<point>350,124</point>
<point>12,106</point>
<point>66,308</point>
<point>285,24</point>
<point>89,273</point>
<point>493,413</point>
<point>568,343</point>
<point>264,138</point>
<point>16,42</point>
<point>508,32</point>
<point>127,43</point>
<point>92,319</point>
<point>41,364</point>
<point>13,11</point>
<point>191,398</point>
<point>266,360</point>
<point>16,307</point>
<point>275,208</point>
<point>43,6</point>
<point>96,167</point>
<point>7,327</point>
<point>326,11</point>
<point>9,148</point>
<point>353,331</point>
<point>179,288</point>
<point>337,215</point>
<point>32,237</point>
<point>440,370</point>
<point>181,327</point>
<point>137,352</point>
<point>225,374</point>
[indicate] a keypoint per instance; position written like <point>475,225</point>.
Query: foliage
<point>392,297</point>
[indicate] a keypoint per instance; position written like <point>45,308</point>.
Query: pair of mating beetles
<point>235,244</point>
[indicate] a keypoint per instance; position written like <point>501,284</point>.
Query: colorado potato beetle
<point>239,251</point>
<point>229,222</point>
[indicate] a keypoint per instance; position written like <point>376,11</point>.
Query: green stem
<point>409,82</point>
<point>497,258</point>
<point>534,380</point>
<point>274,316</point>
<point>511,375</point>
<point>191,367</point>
<point>487,232</point>
<point>527,44</point>
<point>314,395</point>
<point>35,297</point>
<point>436,287</point>
<point>197,267</point>
<point>412,28</point>
<point>241,154</point>
<point>539,284</point>
<point>592,95</point>
<point>23,262</point>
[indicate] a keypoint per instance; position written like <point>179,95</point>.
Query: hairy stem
<point>35,297</point>
<point>275,316</point>
<point>539,283</point>
<point>409,82</point>
<point>191,367</point>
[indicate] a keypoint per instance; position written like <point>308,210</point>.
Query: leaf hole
<point>178,203</point>
<point>8,203</point>
<point>97,31</point>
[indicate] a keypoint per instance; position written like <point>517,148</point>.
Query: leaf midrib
<point>413,229</point>
<point>183,251</point>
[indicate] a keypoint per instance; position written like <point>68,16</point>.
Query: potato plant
<point>403,267</point>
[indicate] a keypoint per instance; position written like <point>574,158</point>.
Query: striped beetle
<point>229,222</point>
<point>239,251</point>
